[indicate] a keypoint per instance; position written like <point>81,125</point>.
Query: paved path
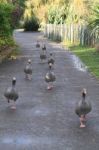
<point>45,120</point>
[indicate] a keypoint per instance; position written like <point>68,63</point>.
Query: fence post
<point>72,32</point>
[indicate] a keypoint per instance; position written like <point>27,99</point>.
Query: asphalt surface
<point>46,120</point>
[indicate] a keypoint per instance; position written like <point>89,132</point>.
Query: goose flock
<point>82,108</point>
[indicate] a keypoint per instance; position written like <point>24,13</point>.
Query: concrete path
<point>45,120</point>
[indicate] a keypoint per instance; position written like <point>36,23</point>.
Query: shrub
<point>5,19</point>
<point>57,14</point>
<point>31,24</point>
<point>94,26</point>
<point>6,42</point>
<point>15,16</point>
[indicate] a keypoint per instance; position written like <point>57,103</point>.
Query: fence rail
<point>73,33</point>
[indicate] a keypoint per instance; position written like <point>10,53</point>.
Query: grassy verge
<point>89,56</point>
<point>9,53</point>
<point>15,52</point>
<point>8,48</point>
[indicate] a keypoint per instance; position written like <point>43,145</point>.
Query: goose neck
<point>83,97</point>
<point>13,83</point>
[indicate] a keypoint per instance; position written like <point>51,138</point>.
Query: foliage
<point>57,14</point>
<point>78,11</point>
<point>44,10</point>
<point>5,19</point>
<point>6,26</point>
<point>9,17</point>
<point>59,11</point>
<point>16,15</point>
<point>29,9</point>
<point>17,12</point>
<point>94,25</point>
<point>42,13</point>
<point>95,19</point>
<point>6,42</point>
<point>31,24</point>
<point>21,3</point>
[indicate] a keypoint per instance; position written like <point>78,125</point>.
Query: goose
<point>28,70</point>
<point>43,55</point>
<point>83,107</point>
<point>37,44</point>
<point>51,61</point>
<point>50,78</point>
<point>11,93</point>
<point>44,47</point>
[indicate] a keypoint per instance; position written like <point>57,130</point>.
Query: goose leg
<point>49,87</point>
<point>82,121</point>
<point>41,61</point>
<point>8,100</point>
<point>26,76</point>
<point>13,106</point>
<point>84,117</point>
<point>29,76</point>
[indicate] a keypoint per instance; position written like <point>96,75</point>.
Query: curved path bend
<point>45,120</point>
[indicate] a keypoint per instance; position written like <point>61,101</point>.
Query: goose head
<point>44,47</point>
<point>13,81</point>
<point>29,61</point>
<point>50,66</point>
<point>84,92</point>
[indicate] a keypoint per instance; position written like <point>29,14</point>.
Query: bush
<point>57,14</point>
<point>31,24</point>
<point>5,19</point>
<point>15,16</point>
<point>6,42</point>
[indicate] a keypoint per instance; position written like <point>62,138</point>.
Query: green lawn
<point>89,56</point>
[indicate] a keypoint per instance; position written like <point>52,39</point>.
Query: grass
<point>89,56</point>
<point>14,53</point>
<point>9,53</point>
<point>8,48</point>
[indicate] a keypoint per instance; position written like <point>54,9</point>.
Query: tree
<point>5,19</point>
<point>94,18</point>
<point>78,11</point>
<point>94,25</point>
<point>58,11</point>
<point>31,22</point>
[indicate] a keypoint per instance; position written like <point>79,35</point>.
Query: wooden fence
<point>72,33</point>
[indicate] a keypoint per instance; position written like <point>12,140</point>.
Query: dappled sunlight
<point>78,64</point>
<point>90,57</point>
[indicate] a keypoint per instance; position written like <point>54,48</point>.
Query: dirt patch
<point>6,53</point>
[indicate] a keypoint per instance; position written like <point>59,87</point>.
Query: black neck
<point>83,96</point>
<point>50,66</point>
<point>13,82</point>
